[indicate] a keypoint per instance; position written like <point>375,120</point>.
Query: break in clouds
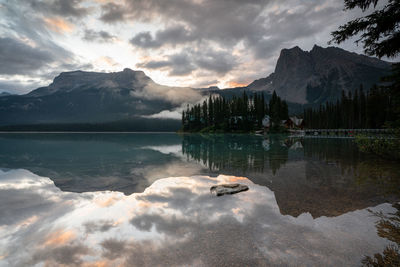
<point>196,43</point>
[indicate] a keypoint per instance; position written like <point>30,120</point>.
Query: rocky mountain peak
<point>316,48</point>
<point>301,77</point>
<point>293,66</point>
<point>291,59</point>
<point>320,74</point>
<point>128,70</point>
<point>83,80</point>
<point>134,75</point>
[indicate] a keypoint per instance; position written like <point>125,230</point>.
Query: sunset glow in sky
<point>197,43</point>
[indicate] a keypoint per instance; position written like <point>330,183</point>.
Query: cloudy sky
<point>196,43</point>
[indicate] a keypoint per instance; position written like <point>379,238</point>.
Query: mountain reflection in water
<point>325,177</point>
<point>175,221</point>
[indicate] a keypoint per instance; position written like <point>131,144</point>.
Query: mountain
<point>132,100</point>
<point>4,94</point>
<point>81,97</point>
<point>321,74</point>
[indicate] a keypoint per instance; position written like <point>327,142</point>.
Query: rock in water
<point>223,189</point>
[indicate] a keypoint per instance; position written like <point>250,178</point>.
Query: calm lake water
<point>144,200</point>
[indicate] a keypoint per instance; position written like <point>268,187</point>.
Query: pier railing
<point>344,132</point>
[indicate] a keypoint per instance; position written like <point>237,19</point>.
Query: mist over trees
<point>237,114</point>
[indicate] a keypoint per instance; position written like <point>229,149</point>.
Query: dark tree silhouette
<point>243,113</point>
<point>380,35</point>
<point>379,31</point>
<point>371,110</point>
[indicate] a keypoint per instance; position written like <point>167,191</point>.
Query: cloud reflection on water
<point>325,177</point>
<point>175,221</point>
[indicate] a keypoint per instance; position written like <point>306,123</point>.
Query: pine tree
<point>210,111</point>
<point>379,31</point>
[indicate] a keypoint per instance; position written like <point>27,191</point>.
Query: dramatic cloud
<point>246,34</point>
<point>20,58</point>
<point>64,255</point>
<point>32,56</point>
<point>178,64</point>
<point>60,7</point>
<point>225,22</point>
<point>178,42</point>
<point>99,36</point>
<point>218,61</point>
<point>100,226</point>
<point>174,35</point>
<point>189,60</point>
<point>112,13</point>
<point>58,25</point>
<point>113,248</point>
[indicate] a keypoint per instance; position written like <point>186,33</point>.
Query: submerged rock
<point>223,189</point>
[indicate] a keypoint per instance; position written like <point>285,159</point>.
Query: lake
<point>143,199</point>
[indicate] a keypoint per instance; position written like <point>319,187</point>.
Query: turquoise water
<point>143,199</point>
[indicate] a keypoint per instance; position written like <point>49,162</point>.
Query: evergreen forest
<point>236,114</point>
<point>360,110</point>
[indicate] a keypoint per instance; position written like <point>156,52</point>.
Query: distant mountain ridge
<point>5,94</point>
<point>300,77</point>
<point>321,74</point>
<point>79,80</point>
<point>82,97</point>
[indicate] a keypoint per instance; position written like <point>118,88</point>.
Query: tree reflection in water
<point>322,176</point>
<point>257,154</point>
<point>320,180</point>
<point>237,152</point>
<point>325,177</point>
